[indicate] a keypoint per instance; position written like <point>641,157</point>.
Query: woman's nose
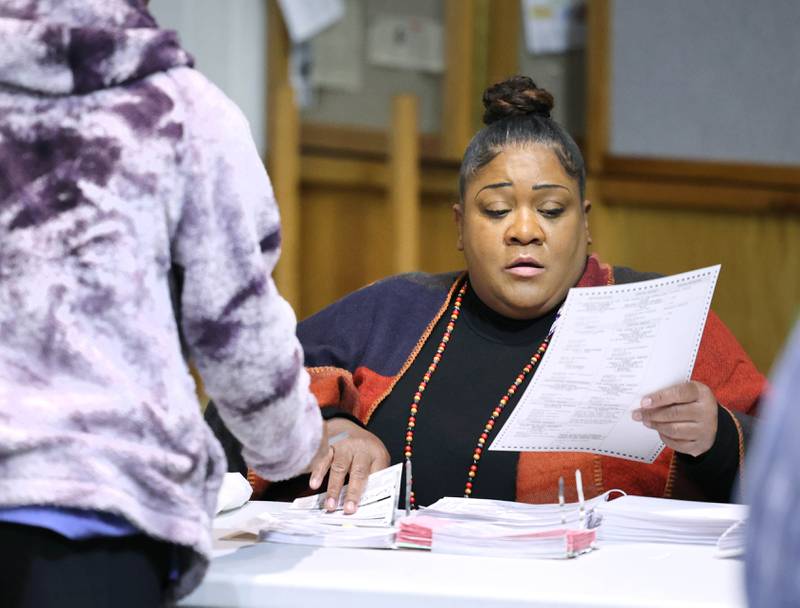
<point>524,229</point>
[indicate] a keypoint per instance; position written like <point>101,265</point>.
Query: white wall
<point>229,42</point>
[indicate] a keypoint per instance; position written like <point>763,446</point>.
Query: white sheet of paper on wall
<point>307,18</point>
<point>412,43</point>
<point>554,26</point>
<point>337,53</point>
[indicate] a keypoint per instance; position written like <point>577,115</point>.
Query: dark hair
<point>518,114</point>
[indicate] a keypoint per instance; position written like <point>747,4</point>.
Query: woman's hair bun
<point>516,96</point>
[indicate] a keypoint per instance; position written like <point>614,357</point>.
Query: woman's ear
<point>587,207</point>
<point>458,217</point>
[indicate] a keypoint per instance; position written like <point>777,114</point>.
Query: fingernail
<point>636,415</point>
<point>313,483</point>
<point>646,402</point>
<point>330,504</point>
<point>349,507</point>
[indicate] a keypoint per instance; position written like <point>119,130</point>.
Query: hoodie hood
<point>65,47</point>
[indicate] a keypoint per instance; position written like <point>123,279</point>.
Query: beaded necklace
<point>487,429</point>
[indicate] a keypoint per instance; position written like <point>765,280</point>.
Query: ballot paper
<point>306,522</point>
<point>662,520</point>
<point>611,347</point>
<point>376,508</point>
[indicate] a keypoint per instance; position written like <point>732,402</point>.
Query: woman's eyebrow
<point>546,186</point>
<point>492,186</point>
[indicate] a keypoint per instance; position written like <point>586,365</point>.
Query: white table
<point>244,573</point>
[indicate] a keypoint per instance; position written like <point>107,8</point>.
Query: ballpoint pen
<point>581,504</point>
<point>561,500</point>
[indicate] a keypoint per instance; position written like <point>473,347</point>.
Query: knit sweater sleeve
<point>239,331</point>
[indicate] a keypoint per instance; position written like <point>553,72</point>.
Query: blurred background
<point>685,112</point>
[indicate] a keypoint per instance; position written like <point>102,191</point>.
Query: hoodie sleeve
<point>239,331</point>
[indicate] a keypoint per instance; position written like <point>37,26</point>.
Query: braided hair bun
<point>517,96</point>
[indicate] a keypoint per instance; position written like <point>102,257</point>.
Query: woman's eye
<point>496,213</point>
<point>552,211</point>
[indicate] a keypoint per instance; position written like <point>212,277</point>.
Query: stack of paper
<point>476,526</point>
<point>307,523</point>
<point>416,531</point>
<point>661,520</point>
<point>732,541</point>
<point>478,537</point>
<point>308,531</point>
<point>473,538</point>
<point>518,514</point>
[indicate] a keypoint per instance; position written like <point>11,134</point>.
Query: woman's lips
<point>525,267</point>
<point>525,271</point>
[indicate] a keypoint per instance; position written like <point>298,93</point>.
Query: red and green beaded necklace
<point>489,426</point>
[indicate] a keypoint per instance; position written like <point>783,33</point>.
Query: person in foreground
<point>772,489</point>
<point>127,178</point>
<point>424,367</point>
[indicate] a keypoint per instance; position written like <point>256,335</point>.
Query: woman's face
<point>524,232</point>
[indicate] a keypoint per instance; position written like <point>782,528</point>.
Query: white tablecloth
<point>244,573</point>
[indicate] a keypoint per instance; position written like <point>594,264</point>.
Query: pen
<point>408,488</point>
<point>581,505</point>
<point>561,500</point>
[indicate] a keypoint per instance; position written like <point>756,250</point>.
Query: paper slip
<point>612,346</point>
<point>233,493</point>
<point>377,506</point>
<point>306,19</point>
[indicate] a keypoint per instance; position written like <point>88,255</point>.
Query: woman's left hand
<point>685,416</point>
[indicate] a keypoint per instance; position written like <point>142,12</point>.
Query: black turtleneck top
<point>485,354</point>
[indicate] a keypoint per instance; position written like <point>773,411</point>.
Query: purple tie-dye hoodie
<point>118,163</point>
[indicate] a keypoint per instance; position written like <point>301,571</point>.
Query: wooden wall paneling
<point>458,78</point>
<point>439,252</point>
<point>598,86</point>
<point>479,66</point>
<point>347,242</point>
<point>285,170</point>
<point>758,294</point>
<point>277,63</point>
<point>350,221</point>
<point>343,171</point>
<point>358,142</point>
<point>346,211</point>
<point>739,173</point>
<point>404,182</point>
<point>678,194</point>
<point>504,40</point>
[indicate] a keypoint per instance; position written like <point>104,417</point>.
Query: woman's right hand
<point>358,454</point>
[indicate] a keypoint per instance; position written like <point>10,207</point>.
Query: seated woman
<point>418,367</point>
